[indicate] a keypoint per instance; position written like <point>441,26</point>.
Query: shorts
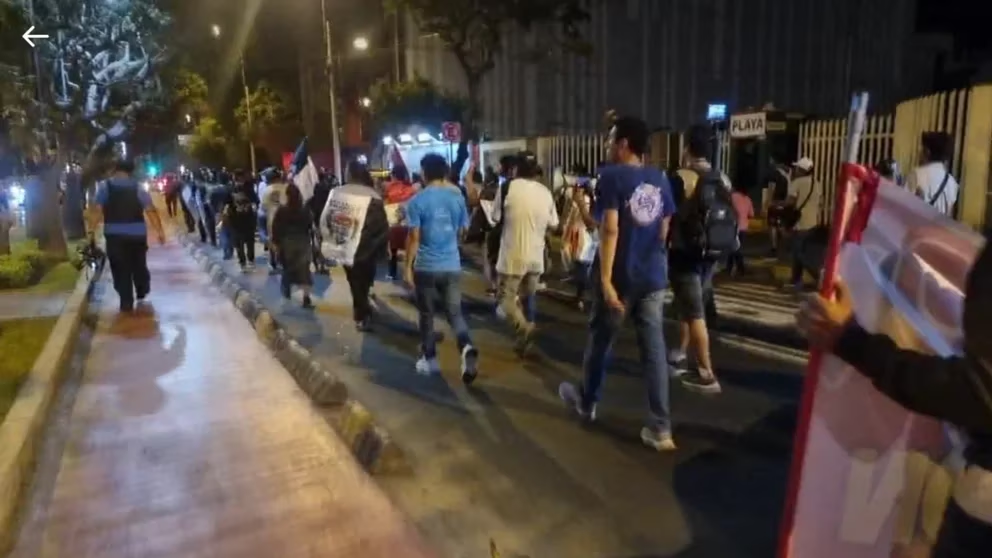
<point>689,292</point>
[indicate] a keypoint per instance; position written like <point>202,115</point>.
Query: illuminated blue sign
<point>716,112</point>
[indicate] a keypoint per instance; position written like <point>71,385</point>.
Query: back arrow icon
<point>27,36</point>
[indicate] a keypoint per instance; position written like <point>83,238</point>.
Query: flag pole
<point>850,172</point>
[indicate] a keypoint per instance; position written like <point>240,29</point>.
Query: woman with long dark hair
<point>291,239</point>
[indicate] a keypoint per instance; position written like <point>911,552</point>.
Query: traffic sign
<point>451,131</point>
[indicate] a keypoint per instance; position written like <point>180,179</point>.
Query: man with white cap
<point>804,213</point>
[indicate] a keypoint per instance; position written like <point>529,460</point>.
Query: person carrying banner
<point>397,192</point>
<point>436,217</point>
<point>355,230</point>
<point>956,389</point>
<point>579,239</point>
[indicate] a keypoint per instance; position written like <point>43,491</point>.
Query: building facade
<point>666,60</point>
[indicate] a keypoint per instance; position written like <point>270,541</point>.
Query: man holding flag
<point>305,176</point>
<point>302,172</point>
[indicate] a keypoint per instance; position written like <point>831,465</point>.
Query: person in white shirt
<point>527,215</point>
<point>803,205</point>
<point>931,180</point>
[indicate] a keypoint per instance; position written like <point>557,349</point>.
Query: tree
<point>473,32</point>
<point>189,93</point>
<point>209,143</point>
<point>268,109</point>
<point>397,106</point>
<point>98,72</point>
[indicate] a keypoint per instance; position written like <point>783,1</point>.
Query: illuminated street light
<point>360,43</point>
<point>189,119</point>
<point>366,102</point>
<point>215,31</point>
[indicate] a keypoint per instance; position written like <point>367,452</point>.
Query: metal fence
<point>565,152</point>
<point>886,137</point>
<point>965,115</point>
<point>823,142</point>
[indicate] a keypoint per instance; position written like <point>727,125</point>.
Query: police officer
<point>124,205</point>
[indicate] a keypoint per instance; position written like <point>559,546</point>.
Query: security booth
<point>760,142</point>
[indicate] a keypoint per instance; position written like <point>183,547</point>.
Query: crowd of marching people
<point>628,235</point>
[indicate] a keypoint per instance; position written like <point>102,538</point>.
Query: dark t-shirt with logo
<point>643,198</point>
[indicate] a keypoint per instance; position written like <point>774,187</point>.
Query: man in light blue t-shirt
<point>436,217</point>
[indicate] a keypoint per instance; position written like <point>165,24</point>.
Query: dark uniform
<point>124,203</point>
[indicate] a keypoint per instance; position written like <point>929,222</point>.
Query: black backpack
<point>708,221</point>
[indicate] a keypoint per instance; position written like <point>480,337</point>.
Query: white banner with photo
<point>341,225</point>
<point>876,477</point>
<point>396,213</point>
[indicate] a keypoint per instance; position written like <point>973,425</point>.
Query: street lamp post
<point>215,31</point>
<point>329,67</point>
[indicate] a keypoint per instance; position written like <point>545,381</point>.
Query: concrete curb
<point>22,428</point>
<point>372,447</point>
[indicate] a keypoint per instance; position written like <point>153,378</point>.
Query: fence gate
<point>823,142</point>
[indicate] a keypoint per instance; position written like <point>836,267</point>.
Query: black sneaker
<point>127,307</point>
<point>364,326</point>
<point>307,302</point>
<point>701,382</point>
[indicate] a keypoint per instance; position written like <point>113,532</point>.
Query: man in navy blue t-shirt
<point>633,206</point>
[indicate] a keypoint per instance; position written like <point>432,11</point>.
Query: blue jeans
<point>226,242</point>
<point>647,311</point>
<point>429,286</point>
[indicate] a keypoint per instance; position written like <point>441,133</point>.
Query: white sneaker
<point>428,366</point>
<point>470,360</point>
<point>571,395</point>
<point>678,363</point>
<point>661,441</point>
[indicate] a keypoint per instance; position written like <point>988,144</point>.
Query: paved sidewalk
<point>187,438</point>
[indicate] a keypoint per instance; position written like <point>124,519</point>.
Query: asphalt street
<point>503,461</point>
